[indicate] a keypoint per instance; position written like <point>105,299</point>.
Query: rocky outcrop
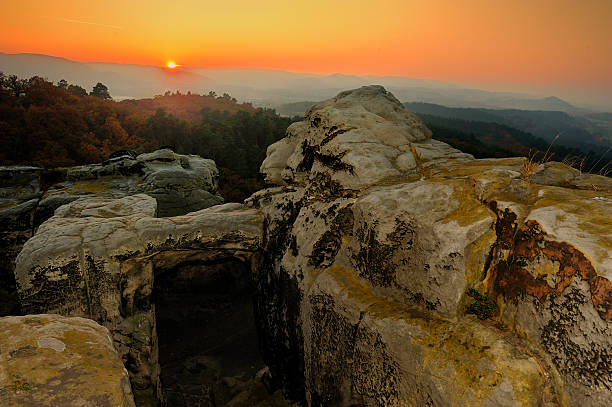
<point>180,183</point>
<point>356,139</point>
<point>97,258</point>
<point>30,195</point>
<point>50,360</point>
<point>382,243</point>
<point>389,268</point>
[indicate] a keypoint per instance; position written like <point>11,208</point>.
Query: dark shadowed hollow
<point>206,331</point>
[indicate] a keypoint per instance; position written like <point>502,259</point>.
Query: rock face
<point>50,360</point>
<point>390,269</point>
<point>356,139</point>
<point>374,240</point>
<point>30,195</point>
<point>180,183</point>
<point>97,258</point>
<point>19,191</point>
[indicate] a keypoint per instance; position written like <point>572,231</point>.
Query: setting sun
<point>171,65</point>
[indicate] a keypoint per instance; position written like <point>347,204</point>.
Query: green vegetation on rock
<point>481,305</point>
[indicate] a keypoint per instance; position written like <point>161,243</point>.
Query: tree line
<point>53,125</point>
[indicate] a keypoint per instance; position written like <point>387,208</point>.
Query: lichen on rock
<point>365,253</point>
<point>394,230</point>
<point>50,360</point>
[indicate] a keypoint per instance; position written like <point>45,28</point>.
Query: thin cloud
<point>68,20</point>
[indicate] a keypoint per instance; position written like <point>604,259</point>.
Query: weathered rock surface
<point>358,138</point>
<point>19,192</point>
<point>180,183</point>
<point>30,195</point>
<point>97,258</point>
<point>373,242</point>
<point>50,360</point>
<point>366,257</point>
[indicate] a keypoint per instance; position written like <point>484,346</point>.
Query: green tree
<point>100,91</point>
<point>62,84</point>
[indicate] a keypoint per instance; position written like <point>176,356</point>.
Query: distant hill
<point>486,139</point>
<point>573,131</point>
<point>264,87</point>
<point>600,116</point>
<point>124,81</point>
<point>187,107</point>
<point>294,109</point>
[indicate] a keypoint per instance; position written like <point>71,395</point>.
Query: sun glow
<point>171,65</point>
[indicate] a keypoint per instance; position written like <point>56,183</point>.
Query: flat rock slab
<point>50,360</point>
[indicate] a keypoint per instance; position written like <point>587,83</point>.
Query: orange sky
<point>518,43</point>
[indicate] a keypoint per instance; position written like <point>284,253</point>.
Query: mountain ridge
<point>263,87</point>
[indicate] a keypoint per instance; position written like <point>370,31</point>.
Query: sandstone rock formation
<point>356,139</point>
<point>390,268</point>
<point>30,195</point>
<point>50,360</point>
<point>180,183</point>
<point>97,258</point>
<point>374,241</point>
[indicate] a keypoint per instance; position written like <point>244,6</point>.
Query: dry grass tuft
<point>576,161</point>
<point>579,162</point>
<point>529,167</point>
<point>606,170</point>
<point>532,162</point>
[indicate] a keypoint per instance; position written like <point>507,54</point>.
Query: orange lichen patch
<point>533,250</point>
<point>601,293</point>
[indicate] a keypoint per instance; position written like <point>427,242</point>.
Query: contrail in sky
<point>68,20</point>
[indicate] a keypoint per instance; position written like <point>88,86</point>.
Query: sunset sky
<point>519,44</point>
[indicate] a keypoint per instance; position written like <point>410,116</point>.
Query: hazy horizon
<point>263,82</point>
<point>547,48</point>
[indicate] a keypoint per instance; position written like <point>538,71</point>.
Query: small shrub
<point>21,385</point>
<point>481,306</point>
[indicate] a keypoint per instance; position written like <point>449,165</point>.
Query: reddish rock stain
<point>511,277</point>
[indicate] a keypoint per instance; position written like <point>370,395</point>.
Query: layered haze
<point>550,47</point>
<point>262,87</point>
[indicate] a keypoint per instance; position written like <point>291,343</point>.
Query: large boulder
<point>401,271</point>
<point>360,137</point>
<point>50,360</point>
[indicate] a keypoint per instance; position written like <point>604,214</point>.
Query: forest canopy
<point>54,125</point>
<point>51,125</point>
